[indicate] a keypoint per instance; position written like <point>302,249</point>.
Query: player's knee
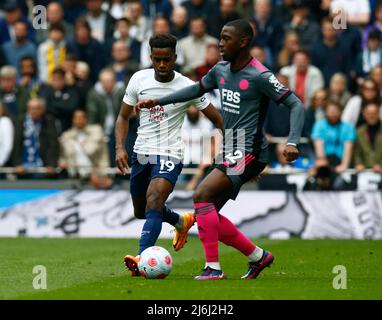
<point>155,201</point>
<point>200,195</point>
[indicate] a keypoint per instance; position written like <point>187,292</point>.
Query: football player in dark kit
<point>245,87</point>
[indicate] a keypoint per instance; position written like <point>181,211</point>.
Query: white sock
<point>213,265</point>
<point>256,255</point>
<point>179,224</point>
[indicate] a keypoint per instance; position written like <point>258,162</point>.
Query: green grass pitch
<point>93,269</point>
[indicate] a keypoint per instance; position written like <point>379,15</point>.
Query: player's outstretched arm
<point>121,128</point>
<point>297,115</point>
<point>182,95</point>
<point>214,116</point>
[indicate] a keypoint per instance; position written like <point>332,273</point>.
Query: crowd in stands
<point>61,86</point>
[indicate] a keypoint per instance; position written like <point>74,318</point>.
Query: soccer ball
<point>155,263</point>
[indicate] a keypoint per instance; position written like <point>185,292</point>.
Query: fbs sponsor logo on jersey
<point>276,83</point>
<point>157,114</point>
<point>230,101</point>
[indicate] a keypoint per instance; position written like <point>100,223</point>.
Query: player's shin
<point>230,235</point>
<point>151,229</point>
<point>208,222</point>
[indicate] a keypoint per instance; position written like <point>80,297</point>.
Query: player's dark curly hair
<point>243,28</point>
<point>163,41</point>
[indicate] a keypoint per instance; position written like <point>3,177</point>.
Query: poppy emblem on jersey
<point>243,84</point>
<point>222,81</point>
<point>152,262</point>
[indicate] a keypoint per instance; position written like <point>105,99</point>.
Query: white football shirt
<point>159,131</point>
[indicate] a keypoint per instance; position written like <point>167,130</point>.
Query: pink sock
<point>231,236</point>
<point>208,224</point>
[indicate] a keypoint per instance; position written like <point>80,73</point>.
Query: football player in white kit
<point>158,150</point>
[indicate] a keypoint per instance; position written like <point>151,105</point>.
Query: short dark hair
<point>375,34</point>
<point>82,22</point>
<point>125,20</point>
<point>23,58</point>
<point>302,51</point>
<point>57,26</point>
<point>243,28</point>
<point>59,71</point>
<point>162,41</point>
<point>334,104</point>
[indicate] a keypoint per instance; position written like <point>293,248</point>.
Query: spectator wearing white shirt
<point>83,148</point>
<point>194,46</point>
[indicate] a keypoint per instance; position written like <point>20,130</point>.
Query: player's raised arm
<point>121,128</point>
<point>271,87</point>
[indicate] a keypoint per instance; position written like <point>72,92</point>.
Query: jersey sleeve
<point>131,93</point>
<point>200,102</point>
<point>209,82</point>
<point>271,87</point>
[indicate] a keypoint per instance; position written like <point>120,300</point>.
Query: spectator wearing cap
<point>371,56</point>
<point>20,46</point>
<point>13,14</point>
<point>328,54</point>
<point>36,143</point>
<point>308,30</point>
<point>54,15</point>
<point>51,53</point>
<point>13,96</point>
<point>368,146</point>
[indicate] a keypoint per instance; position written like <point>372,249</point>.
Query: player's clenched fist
<point>121,160</point>
<point>290,153</point>
<point>144,104</point>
